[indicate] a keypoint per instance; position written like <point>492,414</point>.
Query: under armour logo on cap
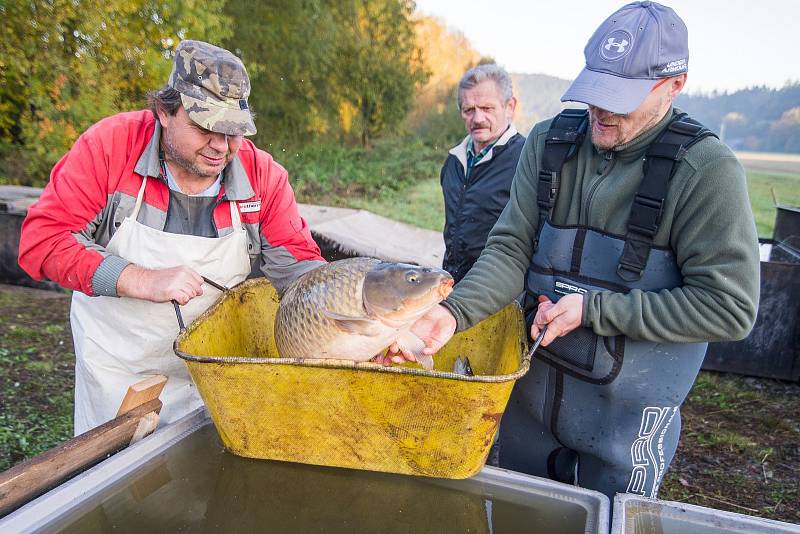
<point>613,42</point>
<point>616,45</point>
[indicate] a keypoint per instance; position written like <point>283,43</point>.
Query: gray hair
<point>489,71</point>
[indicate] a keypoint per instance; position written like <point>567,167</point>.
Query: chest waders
<point>602,411</point>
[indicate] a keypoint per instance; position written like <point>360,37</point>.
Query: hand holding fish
<point>435,329</point>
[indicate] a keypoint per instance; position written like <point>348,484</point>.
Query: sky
<point>733,44</point>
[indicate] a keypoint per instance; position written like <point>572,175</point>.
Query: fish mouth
<point>445,288</point>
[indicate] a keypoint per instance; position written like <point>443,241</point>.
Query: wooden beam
<point>141,392</point>
<point>147,425</point>
<point>39,474</point>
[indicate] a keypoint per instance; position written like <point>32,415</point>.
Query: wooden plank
<point>141,392</point>
<point>147,424</point>
<point>39,474</point>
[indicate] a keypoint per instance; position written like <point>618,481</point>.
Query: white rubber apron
<point>119,341</point>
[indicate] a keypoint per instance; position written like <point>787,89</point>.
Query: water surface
<point>198,487</point>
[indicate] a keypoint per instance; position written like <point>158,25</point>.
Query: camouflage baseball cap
<point>214,87</point>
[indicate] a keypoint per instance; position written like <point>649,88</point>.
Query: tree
<point>446,56</point>
<point>289,49</point>
<point>784,134</point>
<point>67,63</point>
<point>381,65</point>
<point>326,68</point>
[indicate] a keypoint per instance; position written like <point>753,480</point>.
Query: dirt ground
<point>740,447</point>
<point>36,372</point>
<point>739,450</point>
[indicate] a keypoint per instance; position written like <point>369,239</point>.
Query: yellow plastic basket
<point>357,415</point>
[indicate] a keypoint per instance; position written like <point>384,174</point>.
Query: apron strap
<point>139,198</point>
<point>236,219</point>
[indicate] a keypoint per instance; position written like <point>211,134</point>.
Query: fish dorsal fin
<point>363,326</point>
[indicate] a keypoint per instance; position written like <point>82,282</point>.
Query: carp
<point>354,309</point>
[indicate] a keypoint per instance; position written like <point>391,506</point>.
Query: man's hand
<point>435,328</point>
<point>562,317</point>
<point>180,284</point>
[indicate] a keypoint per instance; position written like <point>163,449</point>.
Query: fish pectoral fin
<point>362,326</point>
<point>413,344</point>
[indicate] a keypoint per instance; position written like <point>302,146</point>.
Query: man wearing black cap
<point>144,206</point>
<point>630,230</point>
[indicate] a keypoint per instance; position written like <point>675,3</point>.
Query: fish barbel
<point>354,309</point>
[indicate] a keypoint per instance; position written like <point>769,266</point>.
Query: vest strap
<point>661,162</point>
<point>563,139</point>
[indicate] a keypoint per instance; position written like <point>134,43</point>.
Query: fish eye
<point>411,277</point>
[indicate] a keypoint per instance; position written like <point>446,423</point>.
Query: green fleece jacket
<point>707,222</point>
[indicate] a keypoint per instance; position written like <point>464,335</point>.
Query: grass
<point>36,369</point>
<point>760,185</point>
<point>338,175</point>
<point>420,204</point>
<point>731,440</point>
<point>715,394</point>
<point>738,450</point>
<point>396,178</point>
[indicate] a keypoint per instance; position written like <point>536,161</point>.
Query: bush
<point>328,172</point>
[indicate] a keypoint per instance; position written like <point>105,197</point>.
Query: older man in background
<point>476,176</point>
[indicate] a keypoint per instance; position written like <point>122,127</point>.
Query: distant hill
<point>538,98</point>
<point>756,119</point>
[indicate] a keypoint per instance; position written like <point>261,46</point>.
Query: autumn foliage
<point>351,72</point>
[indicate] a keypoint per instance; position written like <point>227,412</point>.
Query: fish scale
<point>321,289</point>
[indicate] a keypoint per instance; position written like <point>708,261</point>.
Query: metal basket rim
<point>355,366</point>
<point>523,368</point>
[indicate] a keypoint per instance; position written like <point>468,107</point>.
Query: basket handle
<point>536,343</point>
<point>213,284</point>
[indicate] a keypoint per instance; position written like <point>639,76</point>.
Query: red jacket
<point>94,187</point>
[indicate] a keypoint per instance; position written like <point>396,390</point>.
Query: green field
<point>761,185</point>
<point>421,204</point>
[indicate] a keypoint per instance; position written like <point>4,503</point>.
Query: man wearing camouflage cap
<point>144,206</point>
<point>630,230</point>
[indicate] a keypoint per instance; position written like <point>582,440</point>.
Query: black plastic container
<point>773,347</point>
<point>787,224</point>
